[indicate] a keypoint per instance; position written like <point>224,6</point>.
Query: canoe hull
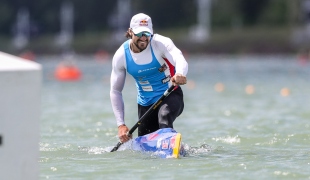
<point>165,143</point>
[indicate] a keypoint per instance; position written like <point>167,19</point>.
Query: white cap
<point>141,22</point>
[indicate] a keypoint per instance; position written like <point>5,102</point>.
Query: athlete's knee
<point>165,117</point>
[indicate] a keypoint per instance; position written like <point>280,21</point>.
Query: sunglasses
<point>146,34</point>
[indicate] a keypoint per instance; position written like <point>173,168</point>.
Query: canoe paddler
<point>156,64</point>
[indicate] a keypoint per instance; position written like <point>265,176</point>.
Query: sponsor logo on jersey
<point>144,70</point>
<point>147,88</point>
<point>144,82</point>
<point>162,68</point>
<point>166,79</point>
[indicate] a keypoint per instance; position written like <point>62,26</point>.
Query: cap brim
<point>141,29</point>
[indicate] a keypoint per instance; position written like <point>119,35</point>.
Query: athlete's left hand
<point>178,79</point>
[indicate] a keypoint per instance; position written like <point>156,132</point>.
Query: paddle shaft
<point>146,114</point>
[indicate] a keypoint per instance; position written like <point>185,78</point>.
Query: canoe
<point>165,143</point>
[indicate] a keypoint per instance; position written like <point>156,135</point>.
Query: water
<point>229,133</point>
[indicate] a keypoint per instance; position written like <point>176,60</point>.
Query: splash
<point>229,139</point>
<point>102,150</point>
<point>203,149</point>
<point>95,150</point>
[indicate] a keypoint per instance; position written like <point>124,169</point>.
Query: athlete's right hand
<point>178,79</point>
<point>122,133</point>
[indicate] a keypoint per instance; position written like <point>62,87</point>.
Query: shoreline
<point>244,41</point>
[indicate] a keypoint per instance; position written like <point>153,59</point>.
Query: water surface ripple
<point>245,117</point>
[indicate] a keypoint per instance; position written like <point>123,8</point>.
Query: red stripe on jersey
<point>171,67</point>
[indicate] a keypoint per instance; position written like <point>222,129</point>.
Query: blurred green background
<point>196,26</point>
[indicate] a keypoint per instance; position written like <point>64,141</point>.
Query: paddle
<point>147,113</point>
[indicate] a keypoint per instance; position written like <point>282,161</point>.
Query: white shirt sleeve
<point>117,81</point>
<point>172,53</point>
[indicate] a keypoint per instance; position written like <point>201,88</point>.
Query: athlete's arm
<point>175,57</point>
<point>117,82</point>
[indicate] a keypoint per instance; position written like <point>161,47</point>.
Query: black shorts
<point>164,115</point>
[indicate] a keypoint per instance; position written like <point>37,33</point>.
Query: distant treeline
<point>98,15</point>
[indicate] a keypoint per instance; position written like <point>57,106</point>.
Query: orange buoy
<point>249,89</point>
<point>285,92</point>
<point>219,87</point>
<point>67,72</point>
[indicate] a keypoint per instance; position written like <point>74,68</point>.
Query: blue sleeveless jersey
<point>151,81</point>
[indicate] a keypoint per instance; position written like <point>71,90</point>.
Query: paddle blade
<point>116,147</point>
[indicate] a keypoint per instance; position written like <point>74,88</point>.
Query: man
<point>156,64</point>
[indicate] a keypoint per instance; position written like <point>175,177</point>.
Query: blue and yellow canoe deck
<point>166,143</point>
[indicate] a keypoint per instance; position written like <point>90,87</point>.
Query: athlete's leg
<point>170,109</point>
<point>150,124</point>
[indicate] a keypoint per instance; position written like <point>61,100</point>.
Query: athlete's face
<point>140,41</point>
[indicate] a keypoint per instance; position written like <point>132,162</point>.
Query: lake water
<point>245,117</point>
